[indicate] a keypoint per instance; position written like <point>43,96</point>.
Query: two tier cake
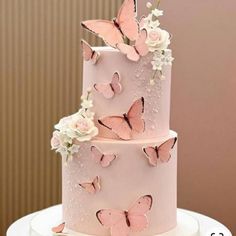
<point>119,155</point>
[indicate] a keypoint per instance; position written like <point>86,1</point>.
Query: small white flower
<point>156,12</point>
<point>154,24</point>
<point>161,59</point>
<point>63,151</point>
<point>149,5</point>
<point>74,149</point>
<point>87,104</point>
<point>162,77</point>
<point>152,82</point>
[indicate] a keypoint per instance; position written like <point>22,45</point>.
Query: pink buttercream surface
<point>128,178</point>
<point>135,80</point>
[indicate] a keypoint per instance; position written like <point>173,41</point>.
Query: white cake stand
<point>189,224</point>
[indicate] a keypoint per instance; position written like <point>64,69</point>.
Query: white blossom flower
<point>63,151</point>
<point>154,24</point>
<point>149,5</point>
<point>158,41</point>
<point>156,12</point>
<point>87,104</point>
<point>74,149</point>
<point>161,59</point>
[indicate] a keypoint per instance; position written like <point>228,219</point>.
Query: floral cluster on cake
<point>146,36</point>
<point>72,130</point>
<point>158,41</point>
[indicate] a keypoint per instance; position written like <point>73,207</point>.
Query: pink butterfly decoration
<point>109,90</point>
<point>121,223</point>
<point>142,22</point>
<point>127,125</point>
<point>93,187</point>
<point>58,229</point>
<point>113,32</point>
<point>88,53</point>
<point>104,160</point>
<point>139,49</point>
<point>157,155</point>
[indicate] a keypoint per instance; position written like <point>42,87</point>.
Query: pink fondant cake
<point>135,80</point>
<point>119,155</point>
<point>129,177</point>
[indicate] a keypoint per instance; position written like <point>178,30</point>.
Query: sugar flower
<point>71,131</point>
<point>158,41</point>
<point>156,12</point>
<point>161,59</point>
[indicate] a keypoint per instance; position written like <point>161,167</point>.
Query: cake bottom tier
<point>42,223</point>
<point>129,177</point>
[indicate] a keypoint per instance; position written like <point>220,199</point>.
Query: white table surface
<point>21,226</point>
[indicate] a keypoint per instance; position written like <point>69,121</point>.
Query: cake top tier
<point>126,85</point>
<point>144,36</point>
<point>126,105</point>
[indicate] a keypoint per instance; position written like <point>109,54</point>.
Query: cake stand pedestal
<point>208,226</point>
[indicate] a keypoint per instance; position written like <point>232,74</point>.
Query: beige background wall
<point>40,81</point>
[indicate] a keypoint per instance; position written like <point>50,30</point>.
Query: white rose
<point>81,128</point>
<point>85,130</point>
<point>158,39</point>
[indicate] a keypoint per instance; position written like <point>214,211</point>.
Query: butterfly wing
<point>93,187</point>
<point>137,213</point>
<point>121,228</point>
<point>115,83</point>
<point>103,159</point>
<point>88,187</point>
<point>58,229</point>
<point>96,154</point>
<point>87,50</point>
<point>88,53</point>
<point>141,206</point>
<point>105,89</point>
<point>118,125</point>
<point>115,220</point>
<point>97,184</point>
<point>135,115</point>
<point>164,150</point>
<point>142,22</point>
<point>151,155</point>
<point>138,222</point>
<point>105,30</point>
<point>126,20</point>
<point>129,51</point>
<point>140,43</point>
<point>95,57</point>
<point>107,160</point>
